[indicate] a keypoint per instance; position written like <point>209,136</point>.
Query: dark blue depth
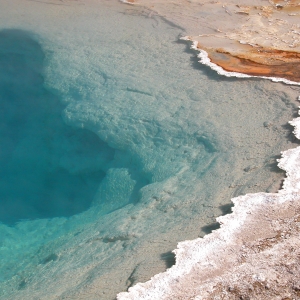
<point>37,179</point>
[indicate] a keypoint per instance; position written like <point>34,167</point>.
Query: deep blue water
<point>40,156</point>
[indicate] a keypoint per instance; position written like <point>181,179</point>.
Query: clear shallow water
<point>164,145</point>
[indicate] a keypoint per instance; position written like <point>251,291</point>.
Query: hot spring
<point>116,144</point>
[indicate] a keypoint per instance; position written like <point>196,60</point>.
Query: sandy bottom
<point>185,141</point>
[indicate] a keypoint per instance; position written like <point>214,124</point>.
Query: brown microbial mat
<point>258,62</point>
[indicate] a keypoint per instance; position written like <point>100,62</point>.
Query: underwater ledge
<point>254,255</point>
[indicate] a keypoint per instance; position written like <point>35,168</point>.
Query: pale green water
<point>109,114</point>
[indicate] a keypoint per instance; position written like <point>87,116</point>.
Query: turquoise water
<point>117,146</point>
<point>41,157</point>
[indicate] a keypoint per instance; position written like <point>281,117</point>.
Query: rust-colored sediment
<point>259,62</point>
<point>259,38</point>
